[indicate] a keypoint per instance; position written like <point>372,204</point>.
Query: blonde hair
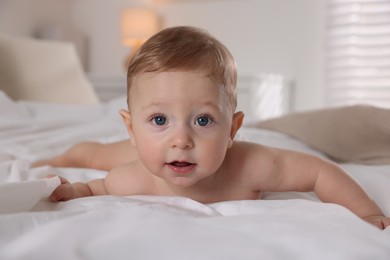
<point>186,48</point>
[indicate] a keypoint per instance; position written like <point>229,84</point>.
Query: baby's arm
<point>68,191</point>
<point>336,186</point>
<point>93,155</point>
<point>294,171</point>
<point>121,180</point>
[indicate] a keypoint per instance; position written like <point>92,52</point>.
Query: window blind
<point>358,52</point>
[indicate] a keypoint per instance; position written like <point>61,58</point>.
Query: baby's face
<point>181,123</point>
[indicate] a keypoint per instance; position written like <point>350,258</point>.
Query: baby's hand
<point>63,192</point>
<point>380,221</point>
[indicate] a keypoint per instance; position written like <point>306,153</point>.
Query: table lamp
<point>137,25</point>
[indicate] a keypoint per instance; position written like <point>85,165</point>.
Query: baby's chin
<point>182,181</point>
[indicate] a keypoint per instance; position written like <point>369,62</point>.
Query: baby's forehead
<point>196,78</point>
<point>140,79</point>
<point>200,73</point>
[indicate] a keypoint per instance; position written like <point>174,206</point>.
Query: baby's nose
<point>182,139</point>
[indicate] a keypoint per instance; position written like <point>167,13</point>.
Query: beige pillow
<point>47,71</point>
<point>356,134</point>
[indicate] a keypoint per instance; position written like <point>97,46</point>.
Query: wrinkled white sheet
<point>282,226</point>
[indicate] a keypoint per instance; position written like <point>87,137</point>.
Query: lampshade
<point>138,24</point>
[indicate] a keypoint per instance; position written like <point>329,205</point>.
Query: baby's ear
<point>238,119</point>
<point>126,117</point>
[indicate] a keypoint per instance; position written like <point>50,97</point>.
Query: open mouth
<point>181,167</point>
<point>180,164</point>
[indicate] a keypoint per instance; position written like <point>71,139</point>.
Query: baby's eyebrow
<point>153,104</point>
<point>210,104</point>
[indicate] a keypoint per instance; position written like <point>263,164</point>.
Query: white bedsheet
<point>281,226</point>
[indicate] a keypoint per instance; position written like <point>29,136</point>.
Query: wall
<point>265,36</point>
<point>44,18</point>
<point>271,36</point>
<point>24,17</point>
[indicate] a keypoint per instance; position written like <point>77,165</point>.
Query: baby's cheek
<point>148,154</point>
<point>214,157</point>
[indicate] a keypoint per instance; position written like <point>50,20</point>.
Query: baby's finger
<point>385,222</point>
<point>376,222</point>
<point>62,192</point>
<point>63,180</point>
<point>53,197</point>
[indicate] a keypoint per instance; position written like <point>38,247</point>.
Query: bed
<point>278,226</point>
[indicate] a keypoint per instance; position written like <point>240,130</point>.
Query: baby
<point>181,121</point>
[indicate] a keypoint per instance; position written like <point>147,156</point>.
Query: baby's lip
<point>180,163</point>
<point>181,167</point>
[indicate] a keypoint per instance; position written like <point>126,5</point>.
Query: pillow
<point>356,134</point>
<point>47,71</point>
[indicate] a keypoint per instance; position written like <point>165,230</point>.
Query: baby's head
<point>182,98</point>
<point>186,48</point>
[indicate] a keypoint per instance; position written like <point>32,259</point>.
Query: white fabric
<point>41,70</point>
<point>24,195</point>
<point>281,226</point>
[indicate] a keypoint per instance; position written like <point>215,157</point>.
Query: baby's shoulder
<point>249,163</point>
<point>125,179</point>
<point>245,148</point>
<point>245,155</point>
<point>120,171</point>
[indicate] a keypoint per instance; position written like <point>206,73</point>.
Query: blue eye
<point>203,120</point>
<point>159,120</point>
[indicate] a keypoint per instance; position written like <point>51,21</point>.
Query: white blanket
<point>281,226</point>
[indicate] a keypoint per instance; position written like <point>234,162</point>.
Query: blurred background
<point>315,45</point>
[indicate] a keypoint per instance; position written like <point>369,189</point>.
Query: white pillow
<point>47,71</point>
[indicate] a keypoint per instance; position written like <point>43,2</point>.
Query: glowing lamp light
<point>137,25</point>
